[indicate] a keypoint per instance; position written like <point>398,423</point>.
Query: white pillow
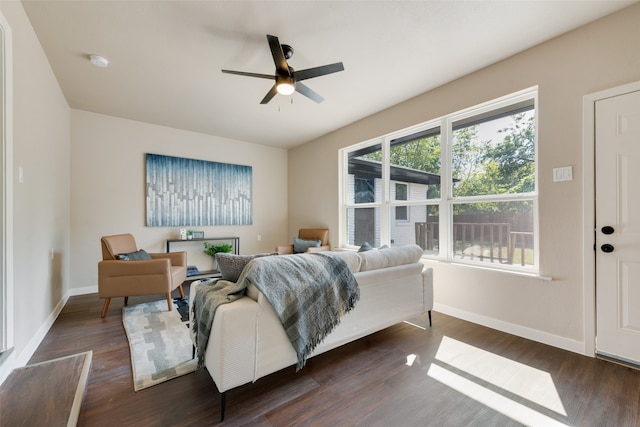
<point>390,257</point>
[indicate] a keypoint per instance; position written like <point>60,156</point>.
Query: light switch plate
<point>564,173</point>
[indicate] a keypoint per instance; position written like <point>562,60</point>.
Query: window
<point>462,187</point>
<point>401,194</point>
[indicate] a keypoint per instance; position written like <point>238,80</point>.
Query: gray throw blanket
<point>310,293</point>
<point>207,299</point>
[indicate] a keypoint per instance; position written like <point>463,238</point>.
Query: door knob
<point>607,229</point>
<point>607,248</point>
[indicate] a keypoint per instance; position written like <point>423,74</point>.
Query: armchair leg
<point>430,318</point>
<point>169,301</point>
<point>105,307</point>
<point>181,291</point>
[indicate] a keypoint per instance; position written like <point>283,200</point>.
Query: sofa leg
<point>126,300</point>
<point>430,318</point>
<point>169,301</point>
<point>105,307</point>
<point>223,403</point>
<point>193,351</point>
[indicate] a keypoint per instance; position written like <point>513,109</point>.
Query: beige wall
<point>41,144</point>
<point>600,55</point>
<point>108,187</point>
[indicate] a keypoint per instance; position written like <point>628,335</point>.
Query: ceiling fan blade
<point>318,71</point>
<point>269,96</point>
<point>278,56</point>
<point>242,73</point>
<point>306,91</point>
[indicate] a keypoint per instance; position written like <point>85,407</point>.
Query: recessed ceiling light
<point>99,61</point>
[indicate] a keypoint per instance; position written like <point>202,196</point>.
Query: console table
<point>233,241</point>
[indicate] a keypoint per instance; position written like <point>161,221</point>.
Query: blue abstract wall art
<point>187,192</point>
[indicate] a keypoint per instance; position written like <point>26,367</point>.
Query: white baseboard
<point>518,330</point>
<point>83,291</point>
<point>14,361</point>
<point>35,341</point>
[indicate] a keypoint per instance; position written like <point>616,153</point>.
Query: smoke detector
<point>99,61</point>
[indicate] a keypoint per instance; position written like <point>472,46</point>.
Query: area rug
<point>159,341</point>
<point>182,304</point>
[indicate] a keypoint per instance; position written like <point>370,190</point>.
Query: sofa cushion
<point>301,245</point>
<point>231,265</point>
<point>390,257</point>
<point>351,258</point>
<point>139,255</point>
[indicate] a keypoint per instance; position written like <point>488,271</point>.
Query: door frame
<point>7,355</point>
<point>589,208</point>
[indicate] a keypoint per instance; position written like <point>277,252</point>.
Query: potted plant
<point>212,250</point>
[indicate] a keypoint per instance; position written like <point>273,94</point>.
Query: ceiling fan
<point>287,80</point>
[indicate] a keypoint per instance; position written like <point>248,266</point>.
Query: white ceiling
<point>166,56</point>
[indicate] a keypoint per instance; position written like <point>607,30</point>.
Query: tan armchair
<point>321,234</point>
<point>159,275</point>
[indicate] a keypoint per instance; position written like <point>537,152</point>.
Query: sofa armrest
<point>230,356</point>
<point>319,248</point>
<point>284,249</point>
<point>288,249</point>
<point>177,258</point>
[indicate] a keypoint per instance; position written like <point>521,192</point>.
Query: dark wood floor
<point>454,374</point>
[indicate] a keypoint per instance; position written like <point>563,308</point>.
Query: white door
<point>617,155</point>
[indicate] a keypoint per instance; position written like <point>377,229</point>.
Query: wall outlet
<point>259,237</point>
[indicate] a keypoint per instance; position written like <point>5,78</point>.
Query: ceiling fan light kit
<point>285,85</point>
<point>287,80</point>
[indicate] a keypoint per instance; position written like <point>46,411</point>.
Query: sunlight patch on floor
<point>410,359</point>
<point>468,370</point>
<point>491,399</point>
<point>531,383</point>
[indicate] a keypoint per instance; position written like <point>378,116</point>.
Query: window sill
<point>521,273</point>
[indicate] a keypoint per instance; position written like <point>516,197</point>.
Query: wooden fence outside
<point>494,242</point>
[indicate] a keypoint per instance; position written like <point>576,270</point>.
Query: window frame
<point>506,105</point>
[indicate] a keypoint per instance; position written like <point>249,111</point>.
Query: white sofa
<point>248,342</point>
